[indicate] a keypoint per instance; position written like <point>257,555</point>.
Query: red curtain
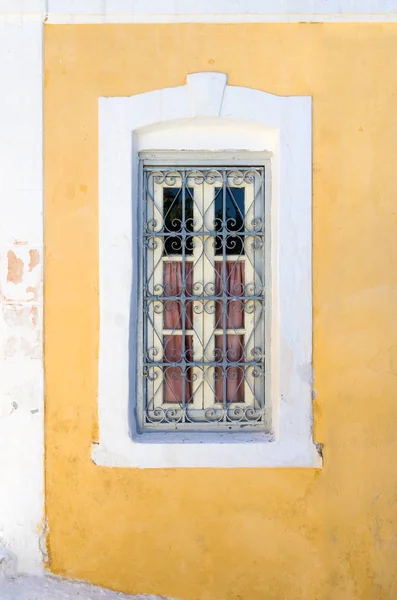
<point>172,281</point>
<point>234,286</point>
<point>234,374</point>
<point>173,376</point>
<point>172,319</point>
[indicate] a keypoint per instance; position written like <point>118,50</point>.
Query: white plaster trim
<point>203,455</point>
<point>206,93</point>
<point>21,307</point>
<point>283,125</point>
<point>205,11</point>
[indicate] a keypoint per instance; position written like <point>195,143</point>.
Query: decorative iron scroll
<point>203,280</point>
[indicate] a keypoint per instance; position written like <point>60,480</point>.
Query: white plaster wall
<point>21,251</point>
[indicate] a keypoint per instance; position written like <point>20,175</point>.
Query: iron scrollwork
<point>203,238</point>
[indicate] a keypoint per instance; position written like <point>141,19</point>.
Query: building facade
<point>198,296</point>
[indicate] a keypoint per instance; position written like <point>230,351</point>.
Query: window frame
<point>235,159</point>
<point>206,113</point>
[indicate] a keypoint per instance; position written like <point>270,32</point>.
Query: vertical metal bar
<point>145,302</point>
<point>263,303</point>
<point>183,296</point>
<point>208,315</point>
<point>198,336</point>
<point>224,296</point>
<point>154,284</point>
<point>251,203</point>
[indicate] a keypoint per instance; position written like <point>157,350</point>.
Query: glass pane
<point>173,220</point>
<point>229,219</point>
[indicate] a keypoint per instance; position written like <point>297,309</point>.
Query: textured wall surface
<point>234,534</point>
<point>21,297</point>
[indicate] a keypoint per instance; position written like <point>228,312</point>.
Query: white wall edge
<point>190,11</point>
<point>22,526</point>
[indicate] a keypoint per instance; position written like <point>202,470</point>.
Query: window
<point>176,385</point>
<point>203,304</point>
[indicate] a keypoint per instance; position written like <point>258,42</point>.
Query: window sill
<point>257,451</point>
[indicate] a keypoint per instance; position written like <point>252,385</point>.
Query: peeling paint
<point>21,280</point>
<point>34,259</point>
<point>32,290</point>
<point>34,315</point>
<point>15,268</point>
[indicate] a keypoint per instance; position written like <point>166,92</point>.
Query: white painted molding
<point>253,121</point>
<point>205,11</point>
<point>206,93</point>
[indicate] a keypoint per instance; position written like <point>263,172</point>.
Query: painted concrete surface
<point>55,588</point>
<point>213,534</point>
<point>21,298</point>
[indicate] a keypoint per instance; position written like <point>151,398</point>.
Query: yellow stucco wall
<point>234,534</point>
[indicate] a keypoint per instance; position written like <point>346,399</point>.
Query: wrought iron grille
<point>203,298</point>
